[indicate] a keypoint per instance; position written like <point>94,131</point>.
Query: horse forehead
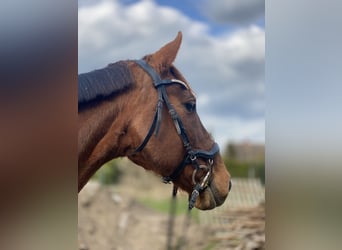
<point>178,77</point>
<point>191,90</point>
<point>185,84</point>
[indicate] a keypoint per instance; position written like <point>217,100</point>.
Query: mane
<point>101,83</point>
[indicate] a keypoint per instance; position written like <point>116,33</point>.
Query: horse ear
<point>165,56</point>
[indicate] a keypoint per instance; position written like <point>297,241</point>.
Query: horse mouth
<point>210,198</point>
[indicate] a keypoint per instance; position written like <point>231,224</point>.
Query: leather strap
<point>191,155</point>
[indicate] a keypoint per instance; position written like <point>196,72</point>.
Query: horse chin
<point>209,199</point>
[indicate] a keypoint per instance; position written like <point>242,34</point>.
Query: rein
<point>192,155</point>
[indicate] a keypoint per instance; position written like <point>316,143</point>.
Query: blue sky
<point>196,10</point>
<point>222,54</point>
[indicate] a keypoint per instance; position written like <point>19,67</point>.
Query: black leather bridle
<point>191,154</point>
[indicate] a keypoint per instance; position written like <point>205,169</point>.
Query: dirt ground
<point>113,218</point>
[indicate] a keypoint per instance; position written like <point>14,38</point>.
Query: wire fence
<point>245,194</point>
<point>240,222</point>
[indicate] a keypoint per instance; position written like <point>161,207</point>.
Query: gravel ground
<point>112,218</point>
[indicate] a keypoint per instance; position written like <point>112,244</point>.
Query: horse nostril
<point>230,185</point>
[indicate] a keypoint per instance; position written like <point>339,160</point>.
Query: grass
<point>164,206</point>
<point>211,245</point>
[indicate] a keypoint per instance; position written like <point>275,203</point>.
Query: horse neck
<point>101,137</point>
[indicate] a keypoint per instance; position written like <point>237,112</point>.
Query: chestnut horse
<point>117,106</point>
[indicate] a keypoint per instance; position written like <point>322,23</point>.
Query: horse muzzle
<point>212,196</point>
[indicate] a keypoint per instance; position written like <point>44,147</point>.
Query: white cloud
<point>234,11</point>
<point>233,129</point>
<point>226,71</point>
<point>110,31</point>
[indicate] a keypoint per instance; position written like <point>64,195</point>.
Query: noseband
<point>191,154</point>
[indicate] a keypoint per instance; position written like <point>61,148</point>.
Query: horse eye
<point>190,106</point>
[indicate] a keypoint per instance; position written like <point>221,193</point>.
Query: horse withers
<point>145,110</point>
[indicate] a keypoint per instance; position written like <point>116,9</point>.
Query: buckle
<point>166,180</point>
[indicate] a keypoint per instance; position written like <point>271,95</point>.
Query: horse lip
<point>206,200</point>
<point>218,199</point>
<point>212,199</point>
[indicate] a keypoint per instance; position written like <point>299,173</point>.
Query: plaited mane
<point>104,82</point>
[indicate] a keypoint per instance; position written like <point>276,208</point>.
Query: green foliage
<point>237,168</point>
<point>261,174</point>
<point>109,173</point>
<point>244,169</point>
<point>230,151</point>
<point>239,164</point>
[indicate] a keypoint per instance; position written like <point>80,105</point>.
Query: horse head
<point>165,132</point>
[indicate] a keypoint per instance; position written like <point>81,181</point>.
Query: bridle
<point>192,155</point>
